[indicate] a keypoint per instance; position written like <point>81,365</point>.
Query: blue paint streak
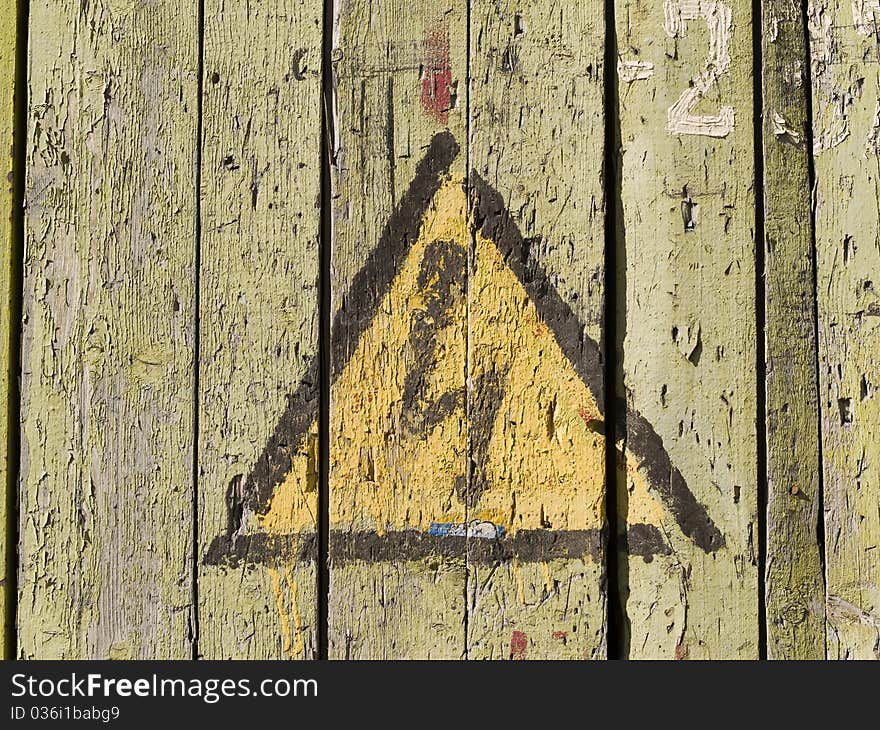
<point>441,529</point>
<point>447,529</point>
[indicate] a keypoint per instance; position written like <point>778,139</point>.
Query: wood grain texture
<point>106,494</point>
<point>399,327</point>
<point>467,343</point>
<point>536,140</point>
<point>259,320</point>
<point>8,359</point>
<point>846,125</point>
<point>794,583</point>
<point>687,286</point>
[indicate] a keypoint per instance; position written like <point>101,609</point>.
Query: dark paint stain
<point>510,60</point>
<point>486,398</point>
<point>844,405</point>
<point>441,280</point>
<point>646,541</point>
<point>261,548</point>
<point>690,212</point>
<point>234,506</point>
<point>664,478</point>
<point>697,352</point>
<point>299,68</point>
<point>527,546</point>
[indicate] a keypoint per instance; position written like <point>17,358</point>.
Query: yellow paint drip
<point>282,614</point>
<point>548,578</point>
<point>520,583</point>
<point>299,645</point>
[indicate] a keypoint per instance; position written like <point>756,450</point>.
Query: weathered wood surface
<point>106,493</point>
<point>8,359</point>
<point>686,269</point>
<point>846,133</point>
<point>467,485</point>
<point>260,230</point>
<point>536,153</point>
<point>398,342</point>
<point>794,580</point>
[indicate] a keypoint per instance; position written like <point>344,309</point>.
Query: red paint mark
<point>588,417</point>
<point>518,644</point>
<point>437,76</point>
<point>562,635</point>
<point>681,652</point>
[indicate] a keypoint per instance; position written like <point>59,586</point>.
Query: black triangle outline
<point>353,318</point>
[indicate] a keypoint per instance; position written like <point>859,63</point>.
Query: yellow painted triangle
<point>402,422</point>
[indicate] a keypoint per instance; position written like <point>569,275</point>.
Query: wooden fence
<point>348,329</point>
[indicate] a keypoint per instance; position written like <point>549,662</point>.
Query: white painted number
<point>680,117</point>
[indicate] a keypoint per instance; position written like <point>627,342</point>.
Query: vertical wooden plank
<point>398,344</point>
<point>106,516</point>
<point>846,130</point>
<point>8,45</point>
<point>795,586</point>
<point>686,123</point>
<point>259,329</point>
<point>536,320</point>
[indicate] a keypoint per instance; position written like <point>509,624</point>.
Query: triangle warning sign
<point>467,409</point>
